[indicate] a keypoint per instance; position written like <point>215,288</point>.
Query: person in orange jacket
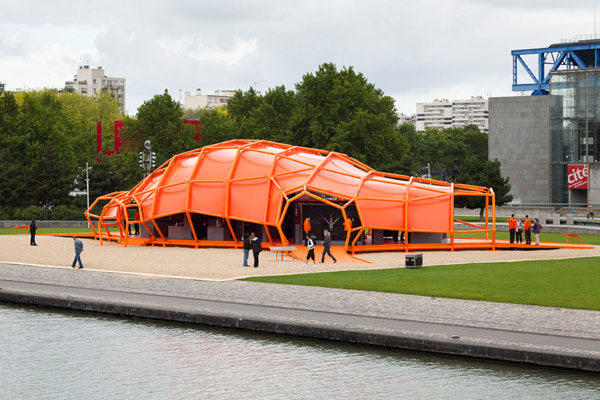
<point>307,226</point>
<point>512,227</point>
<point>527,229</point>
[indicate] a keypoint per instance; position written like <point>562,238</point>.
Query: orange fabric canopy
<point>255,181</point>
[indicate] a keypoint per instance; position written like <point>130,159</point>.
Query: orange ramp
<point>338,252</point>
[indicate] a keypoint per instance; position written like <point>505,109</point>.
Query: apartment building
<point>199,100</point>
<point>92,81</point>
<point>452,114</point>
<point>406,119</point>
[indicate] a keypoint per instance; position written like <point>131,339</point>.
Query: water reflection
<point>58,355</point>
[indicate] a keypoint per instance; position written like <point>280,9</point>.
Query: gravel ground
<point>226,264</point>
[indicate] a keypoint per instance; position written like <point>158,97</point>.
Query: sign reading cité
<point>578,176</point>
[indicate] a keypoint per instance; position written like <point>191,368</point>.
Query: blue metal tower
<point>580,54</point>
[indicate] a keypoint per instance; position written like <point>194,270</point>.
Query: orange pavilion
<point>214,195</point>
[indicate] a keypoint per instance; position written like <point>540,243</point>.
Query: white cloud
<point>413,51</point>
<point>241,49</point>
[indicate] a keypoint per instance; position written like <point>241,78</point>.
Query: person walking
<point>247,248</point>
<point>512,227</point>
<point>311,251</point>
<point>327,246</point>
<point>537,228</point>
<point>256,247</point>
<point>78,250</point>
<point>519,230</point>
<point>32,229</point>
<point>527,229</point>
<point>590,211</point>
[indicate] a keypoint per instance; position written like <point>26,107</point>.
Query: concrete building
<point>519,128</point>
<point>199,100</point>
<point>407,119</point>
<point>2,87</point>
<point>549,143</point>
<point>90,82</point>
<point>453,114</point>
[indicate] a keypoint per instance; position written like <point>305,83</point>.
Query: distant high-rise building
<point>407,119</point>
<point>452,114</point>
<point>2,87</point>
<point>90,82</point>
<point>549,143</point>
<point>199,100</point>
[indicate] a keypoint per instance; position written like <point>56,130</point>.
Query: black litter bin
<point>414,260</point>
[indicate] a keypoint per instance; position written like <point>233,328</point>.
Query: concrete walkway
<point>537,335</point>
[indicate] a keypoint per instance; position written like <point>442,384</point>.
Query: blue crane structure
<point>580,54</point>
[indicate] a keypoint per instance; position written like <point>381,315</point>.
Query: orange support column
<point>452,217</point>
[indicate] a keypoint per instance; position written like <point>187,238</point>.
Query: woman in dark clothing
<point>327,246</point>
<point>256,248</point>
<point>32,229</point>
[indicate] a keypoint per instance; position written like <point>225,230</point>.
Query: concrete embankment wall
<point>320,330</point>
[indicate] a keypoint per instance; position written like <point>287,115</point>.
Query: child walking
<point>311,251</point>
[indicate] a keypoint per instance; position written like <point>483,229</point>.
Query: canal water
<point>49,354</point>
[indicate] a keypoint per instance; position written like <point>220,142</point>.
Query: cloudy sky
<point>415,51</point>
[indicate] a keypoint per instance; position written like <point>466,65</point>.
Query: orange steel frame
<point>119,203</point>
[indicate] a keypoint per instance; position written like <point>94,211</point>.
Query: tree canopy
<point>46,137</point>
<point>331,109</point>
<point>457,155</point>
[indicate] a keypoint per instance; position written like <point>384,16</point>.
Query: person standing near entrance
<point>590,211</point>
<point>307,226</point>
<point>247,248</point>
<point>311,251</point>
<point>32,229</point>
<point>78,250</point>
<point>537,228</point>
<point>256,247</point>
<point>137,224</point>
<point>512,227</point>
<point>519,230</point>
<point>527,229</point>
<point>327,246</point>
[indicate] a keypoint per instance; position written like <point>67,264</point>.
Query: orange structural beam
<point>257,182</point>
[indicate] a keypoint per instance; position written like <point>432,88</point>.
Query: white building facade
<point>406,119</point>
<point>92,81</point>
<point>199,100</point>
<point>443,114</point>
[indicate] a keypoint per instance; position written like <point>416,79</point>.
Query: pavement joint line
<point>124,272</point>
<point>157,275</point>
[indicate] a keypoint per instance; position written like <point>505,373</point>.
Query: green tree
<point>217,127</point>
<point>50,150</point>
<point>265,117</point>
<point>12,149</point>
<point>159,120</point>
<point>108,113</point>
<point>484,173</point>
<point>341,111</point>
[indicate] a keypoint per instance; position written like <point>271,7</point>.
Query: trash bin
<point>414,260</point>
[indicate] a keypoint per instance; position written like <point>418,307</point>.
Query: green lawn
<point>475,218</point>
<point>569,283</point>
<point>594,240</point>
